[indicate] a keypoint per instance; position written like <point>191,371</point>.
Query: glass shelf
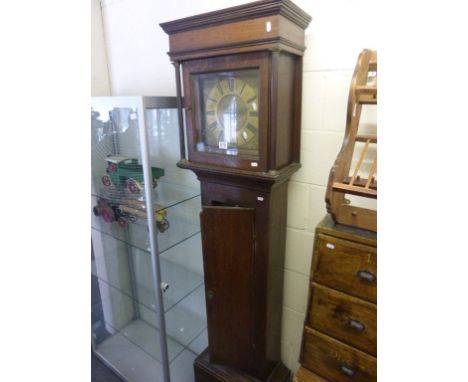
<point>183,324</point>
<point>135,365</point>
<point>139,241</point>
<point>182,225</point>
<point>165,195</point>
<point>111,262</point>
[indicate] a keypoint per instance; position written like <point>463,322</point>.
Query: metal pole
<point>154,250</point>
<point>128,248</point>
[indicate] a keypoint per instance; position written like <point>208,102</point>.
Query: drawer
<point>346,318</point>
<point>336,361</point>
<point>346,266</point>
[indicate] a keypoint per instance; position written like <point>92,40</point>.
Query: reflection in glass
<point>228,112</point>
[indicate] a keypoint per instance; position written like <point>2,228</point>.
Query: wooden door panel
<point>228,249</point>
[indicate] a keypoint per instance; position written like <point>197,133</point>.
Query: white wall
<point>100,85</point>
<point>340,29</point>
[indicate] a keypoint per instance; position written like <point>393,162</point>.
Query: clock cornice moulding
<point>284,8</point>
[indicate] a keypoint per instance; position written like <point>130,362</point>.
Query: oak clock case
<point>241,73</point>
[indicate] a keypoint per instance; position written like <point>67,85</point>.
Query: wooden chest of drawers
<point>340,332</point>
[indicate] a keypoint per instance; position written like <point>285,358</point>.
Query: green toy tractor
<point>127,173</point>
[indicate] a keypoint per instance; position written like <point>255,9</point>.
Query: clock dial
<point>230,112</point>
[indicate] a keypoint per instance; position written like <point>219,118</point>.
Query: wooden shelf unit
<point>343,179</point>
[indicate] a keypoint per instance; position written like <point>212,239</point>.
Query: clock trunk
<point>243,237</point>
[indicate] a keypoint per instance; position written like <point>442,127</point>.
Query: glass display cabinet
<point>148,305</point>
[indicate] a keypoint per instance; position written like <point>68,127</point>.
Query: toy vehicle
<point>129,211</point>
<point>111,212</point>
<point>137,208</point>
<point>126,172</point>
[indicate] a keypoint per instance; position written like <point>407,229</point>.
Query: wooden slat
<point>373,61</point>
<point>361,158</point>
<point>366,94</point>
<point>344,179</point>
<point>369,90</point>
<point>371,173</point>
<point>361,182</point>
<point>367,100</point>
<point>365,137</point>
<point>355,190</point>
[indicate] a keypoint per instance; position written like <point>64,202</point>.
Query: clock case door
<point>228,237</point>
<point>193,106</point>
<point>247,224</point>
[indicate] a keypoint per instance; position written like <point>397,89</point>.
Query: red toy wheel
<point>132,187</point>
<point>107,214</point>
<point>111,167</point>
<point>122,222</point>
<point>106,181</point>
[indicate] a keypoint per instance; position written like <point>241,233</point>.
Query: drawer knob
<point>356,325</point>
<point>210,294</point>
<point>366,276</point>
<point>349,371</point>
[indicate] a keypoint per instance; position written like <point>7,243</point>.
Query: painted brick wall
<point>337,34</point>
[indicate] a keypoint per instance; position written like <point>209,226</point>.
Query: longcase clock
<point>240,73</point>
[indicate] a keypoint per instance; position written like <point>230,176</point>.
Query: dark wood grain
<point>244,325</point>
<point>297,106</point>
<point>230,38</point>
<point>348,319</point>
<point>228,250</point>
<point>285,8</point>
<point>269,205</point>
<point>283,109</point>
<point>274,278</point>
<point>209,372</point>
<point>179,110</point>
<point>334,360</point>
<point>239,29</point>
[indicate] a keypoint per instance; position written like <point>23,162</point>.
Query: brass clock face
<point>229,113</point>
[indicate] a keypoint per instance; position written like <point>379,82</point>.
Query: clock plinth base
<point>207,372</point>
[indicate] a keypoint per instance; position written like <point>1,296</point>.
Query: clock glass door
<point>228,112</point>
